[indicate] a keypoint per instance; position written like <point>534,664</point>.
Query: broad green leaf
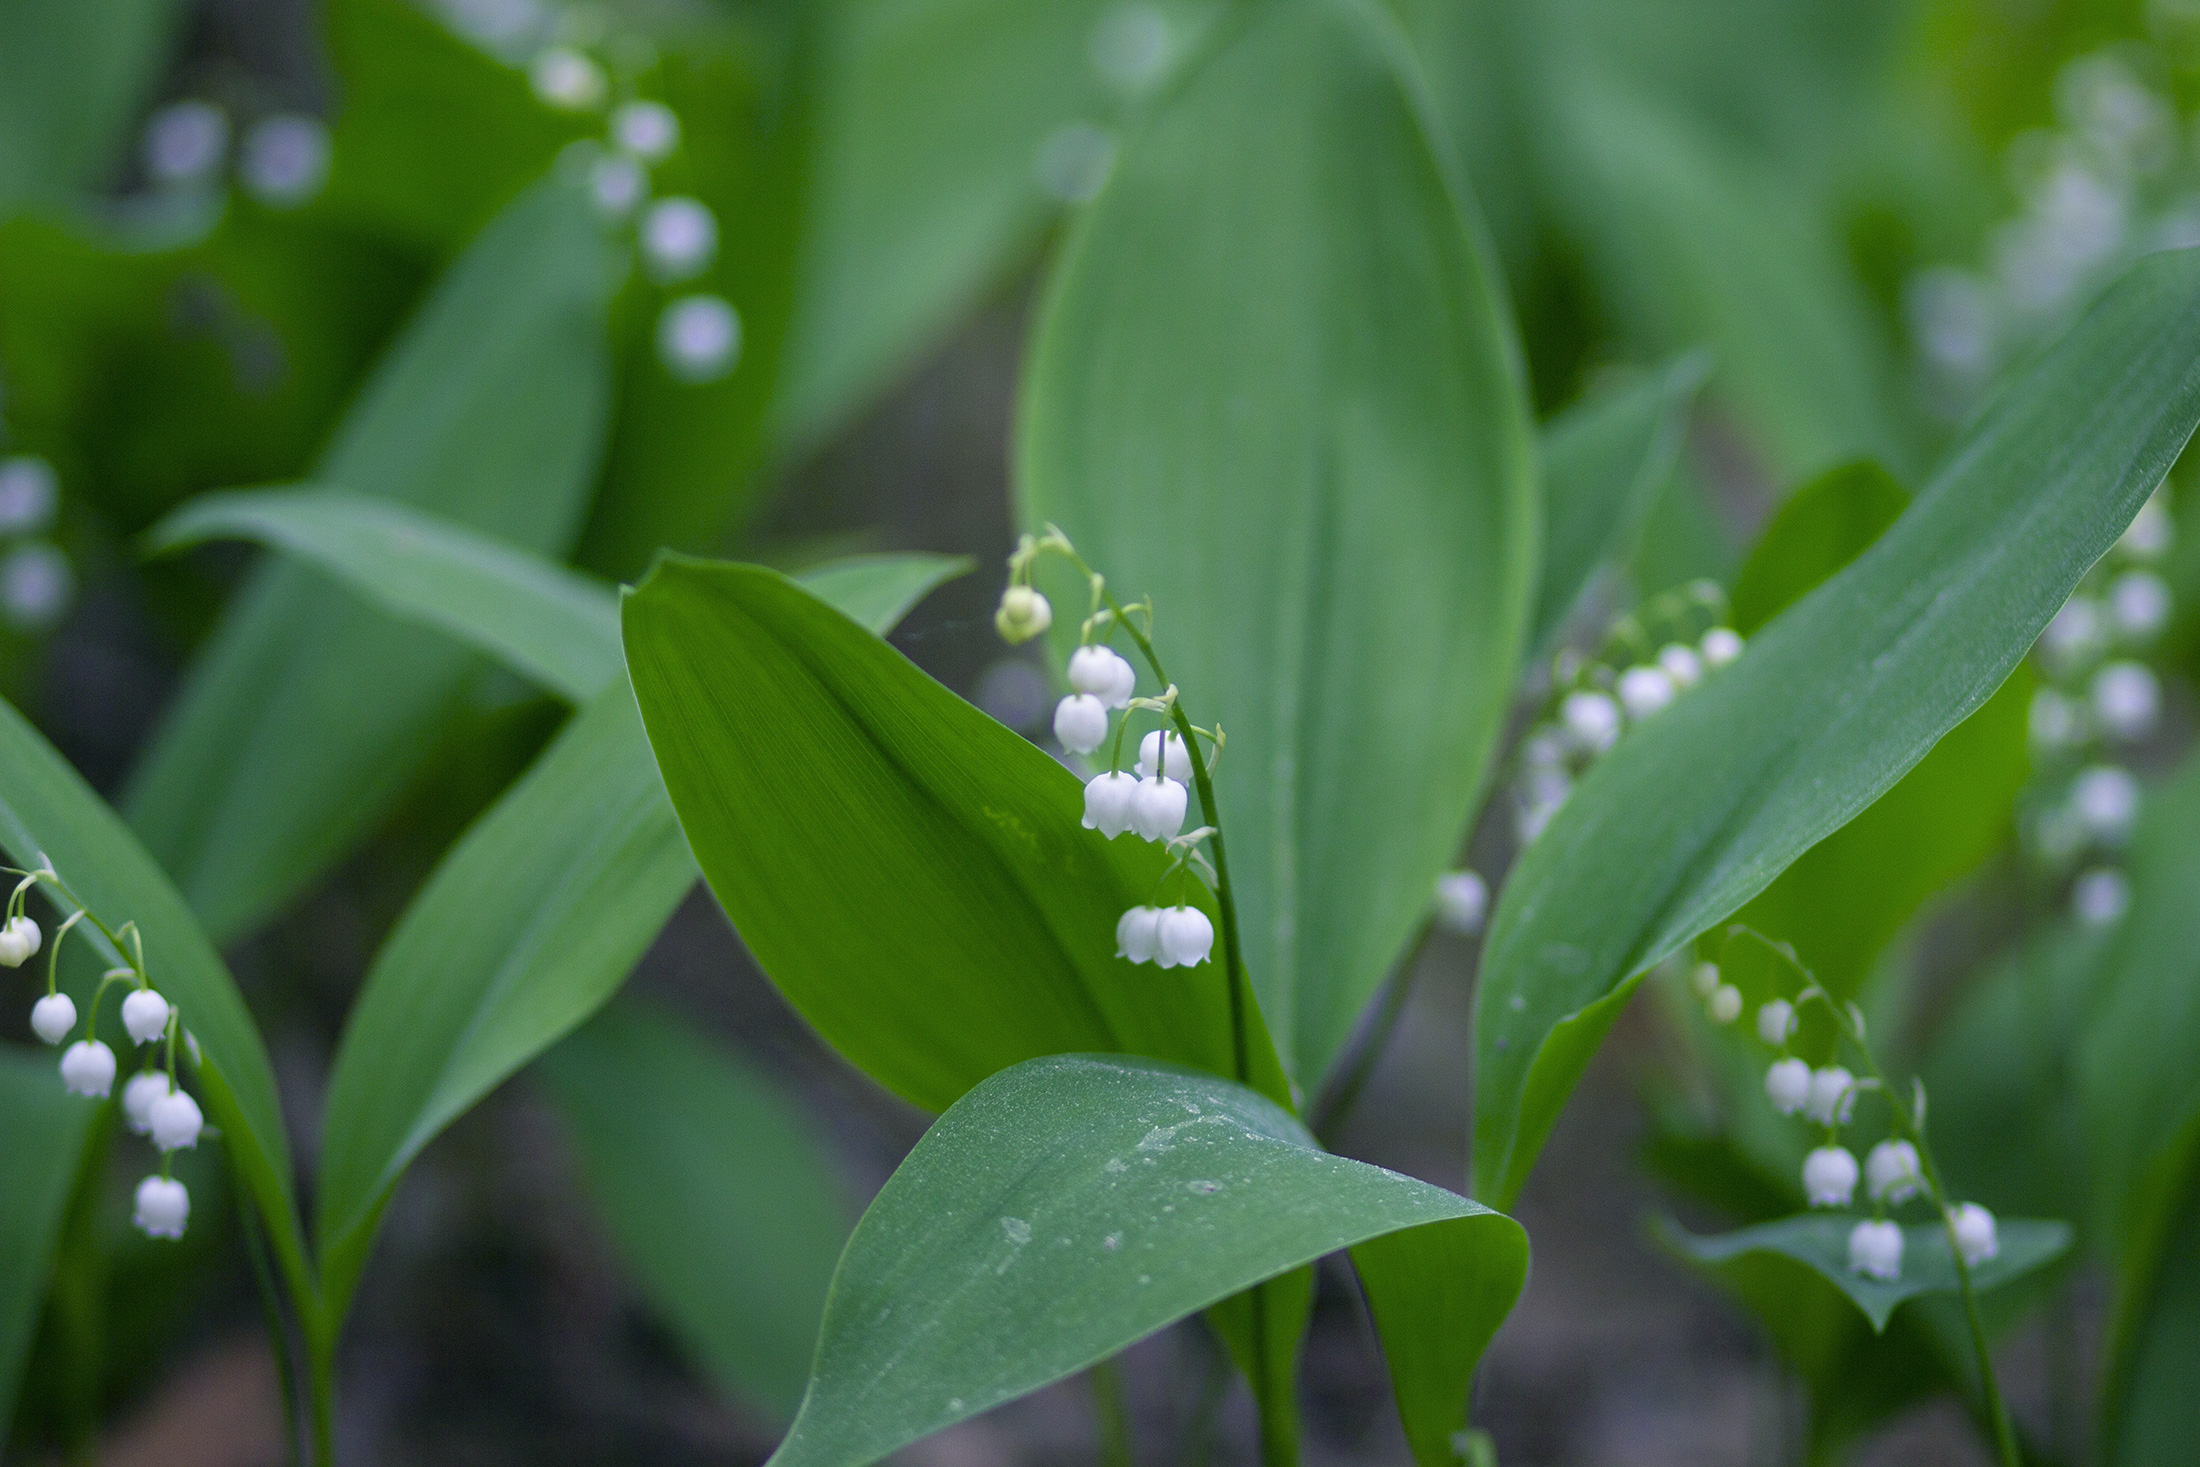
<point>1073,1204</point>
<point>525,929</point>
<point>43,1131</point>
<point>1818,529</point>
<point>307,713</point>
<point>1834,701</point>
<point>73,74</point>
<point>1820,1241</point>
<point>551,624</point>
<point>1604,462</point>
<point>717,1192</point>
<point>2150,1413</point>
<point>1307,442</point>
<point>937,118</point>
<point>46,808</point>
<point>912,875</point>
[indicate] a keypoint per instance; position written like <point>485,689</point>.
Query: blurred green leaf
<point>1069,1206</point>
<point>1820,1242</point>
<point>910,874</point>
<point>2150,1413</point>
<point>1818,529</point>
<point>1604,462</point>
<point>1832,703</point>
<point>1309,444</point>
<point>43,1132</point>
<point>546,622</point>
<point>73,74</point>
<point>716,1190</point>
<point>307,713</point>
<point>47,810</point>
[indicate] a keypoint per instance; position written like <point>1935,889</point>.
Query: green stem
<point>271,1316</point>
<point>1108,1404</point>
<point>1335,1106</point>
<point>321,1368</point>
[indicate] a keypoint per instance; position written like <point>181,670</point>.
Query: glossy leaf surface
<point>489,409</point>
<point>1820,1241</point>
<point>911,874</point>
<point>1073,1204</point>
<point>1833,702</point>
<point>719,1196</point>
<point>1307,442</point>
<point>43,1130</point>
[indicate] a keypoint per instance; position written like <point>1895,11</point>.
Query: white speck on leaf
<point>1112,1242</point>
<point>1019,1231</point>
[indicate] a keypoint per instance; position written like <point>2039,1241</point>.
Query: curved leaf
<point>1283,401</point>
<point>1834,701</point>
<point>491,409</point>
<point>46,808</point>
<point>1820,1241</point>
<point>1073,1204</point>
<point>43,1132</point>
<point>717,1192</point>
<point>910,874</point>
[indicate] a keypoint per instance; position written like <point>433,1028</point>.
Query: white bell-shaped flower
<point>52,1017</point>
<point>1184,937</point>
<point>648,130</point>
<point>618,184</point>
<point>1975,1233</point>
<point>1138,934</point>
<point>1108,800</point>
<point>1787,1084</point>
<point>679,238</point>
<point>1081,723</point>
<point>1179,761</point>
<point>163,1207</point>
<point>138,1096</point>
<point>2100,896</point>
<point>1832,1095</point>
<point>1829,1176</point>
<point>145,1015</point>
<point>2106,801</point>
<point>1725,1004</point>
<point>1684,665</point>
<point>1776,1021</point>
<point>1591,720</point>
<point>2140,603</point>
<point>2077,635</point>
<point>1645,690</point>
<point>566,79</point>
<point>1023,614</point>
<point>2127,699</point>
<point>29,490</point>
<point>1875,1250</point>
<point>1704,980</point>
<point>1462,902</point>
<point>88,1068</point>
<point>285,159</point>
<point>174,1121</point>
<point>1104,673</point>
<point>1720,645</point>
<point>1157,809</point>
<point>699,338</point>
<point>1891,1172</point>
<point>2056,722</point>
<point>19,941</point>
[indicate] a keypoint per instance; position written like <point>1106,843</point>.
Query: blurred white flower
<point>1829,1177</point>
<point>28,493</point>
<point>185,143</point>
<point>285,160</point>
<point>1875,1250</point>
<point>699,338</point>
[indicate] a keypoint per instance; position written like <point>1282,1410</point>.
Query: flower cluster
<point>37,582</point>
<point>1150,804</point>
<point>1825,1096</point>
<point>153,1104</point>
<point>2097,698</point>
<point>282,161</point>
<point>1650,660</point>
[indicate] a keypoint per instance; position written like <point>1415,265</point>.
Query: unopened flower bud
<point>1462,902</point>
<point>1720,645</point>
<point>2100,896</point>
<point>2139,602</point>
<point>1891,1172</point>
<point>1875,1250</point>
<point>1704,979</point>
<point>1157,808</point>
<point>52,1017</point>
<point>1183,937</point>
<point>174,1121</point>
<point>2106,801</point>
<point>1108,802</point>
<point>1081,723</point>
<point>1787,1084</point>
<point>1179,761</point>
<point>1776,1021</point>
<point>88,1068</point>
<point>1725,1004</point>
<point>19,942</point>
<point>648,130</point>
<point>1682,664</point>
<point>1138,934</point>
<point>1023,614</point>
<point>1645,690</point>
<point>1829,1176</point>
<point>1975,1233</point>
<point>1832,1095</point>
<point>138,1096</point>
<point>2127,699</point>
<point>144,1015</point>
<point>1103,672</point>
<point>163,1207</point>
<point>1591,719</point>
